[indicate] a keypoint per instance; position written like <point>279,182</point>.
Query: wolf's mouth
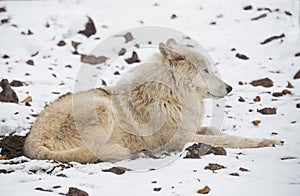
<point>215,96</point>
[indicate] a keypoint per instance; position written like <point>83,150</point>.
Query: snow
<point>268,175</point>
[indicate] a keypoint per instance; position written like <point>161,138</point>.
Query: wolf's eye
<point>180,58</point>
<point>205,70</point>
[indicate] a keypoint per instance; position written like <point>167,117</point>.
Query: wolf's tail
<point>35,149</point>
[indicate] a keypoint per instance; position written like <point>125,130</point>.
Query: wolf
<point>157,106</point>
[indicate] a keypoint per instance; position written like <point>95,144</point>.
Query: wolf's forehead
<point>198,58</point>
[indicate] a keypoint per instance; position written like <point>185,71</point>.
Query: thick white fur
<point>157,106</point>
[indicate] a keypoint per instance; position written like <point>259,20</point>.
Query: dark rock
<point>122,52</point>
<point>16,83</point>
<point>76,192</point>
<point>214,166</point>
<point>93,60</point>
<point>265,82</point>
<point>273,38</point>
<point>7,94</point>
<point>90,28</point>
<point>197,150</point>
<point>61,43</point>
<point>128,37</point>
<point>116,170</point>
<point>12,146</point>
<point>133,59</point>
<point>248,7</point>
<point>297,75</point>
<point>267,111</point>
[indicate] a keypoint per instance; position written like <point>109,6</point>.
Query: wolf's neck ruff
<point>157,98</point>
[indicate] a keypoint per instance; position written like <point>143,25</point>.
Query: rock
<point>173,16</point>
<point>265,82</point>
<point>195,151</point>
<point>61,43</point>
<point>205,190</point>
<point>297,75</point>
<point>117,170</point>
<point>7,94</point>
<point>42,189</point>
<point>286,92</point>
<point>5,56</point>
<point>16,83</point>
<point>273,38</point>
<point>93,60</point>
<point>122,51</point>
<point>128,37</point>
<point>76,192</point>
<point>234,174</point>
<point>133,59</point>
<point>214,166</point>
<point>2,9</point>
<point>248,7</point>
<point>12,146</point>
<point>241,99</point>
<point>289,85</point>
<point>27,100</point>
<point>103,82</point>
<point>157,189</point>
<point>75,46</point>
<point>277,94</point>
<point>257,99</point>
<point>259,17</point>
<point>30,62</point>
<point>243,169</point>
<point>116,73</point>
<point>288,158</point>
<point>90,28</point>
<point>267,111</point>
<point>256,122</point>
<point>242,56</point>
<point>288,13</point>
<point>4,171</point>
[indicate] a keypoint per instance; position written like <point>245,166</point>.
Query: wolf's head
<point>195,67</point>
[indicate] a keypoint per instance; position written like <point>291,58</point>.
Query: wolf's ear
<point>164,51</point>
<point>171,42</point>
<point>167,52</point>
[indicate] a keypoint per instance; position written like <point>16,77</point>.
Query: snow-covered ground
<point>224,28</point>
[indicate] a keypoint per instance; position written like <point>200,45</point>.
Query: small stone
<point>30,62</point>
<point>241,99</point>
<point>205,190</point>
<point>256,122</point>
<point>256,99</point>
<point>61,43</point>
<point>173,16</point>
<point>248,7</point>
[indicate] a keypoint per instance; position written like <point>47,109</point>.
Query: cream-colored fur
<point>156,106</point>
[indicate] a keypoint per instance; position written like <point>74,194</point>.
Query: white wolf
<point>158,106</point>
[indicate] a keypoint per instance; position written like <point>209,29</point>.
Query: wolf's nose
<point>229,89</point>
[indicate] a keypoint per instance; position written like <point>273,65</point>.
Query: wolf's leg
<point>230,141</point>
<point>107,152</point>
<point>113,152</point>
<point>206,130</point>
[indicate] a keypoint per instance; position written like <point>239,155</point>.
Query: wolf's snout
<point>229,89</point>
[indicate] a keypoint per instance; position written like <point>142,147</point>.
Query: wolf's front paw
<point>270,143</point>
<point>134,154</point>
